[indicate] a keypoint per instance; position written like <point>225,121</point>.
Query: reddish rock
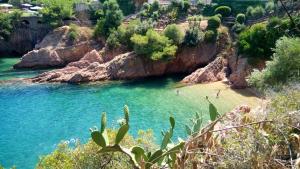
<point>214,71</point>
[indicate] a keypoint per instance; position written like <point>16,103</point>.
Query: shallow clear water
<point>35,118</point>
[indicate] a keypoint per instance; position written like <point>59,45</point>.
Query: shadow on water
<point>154,82</point>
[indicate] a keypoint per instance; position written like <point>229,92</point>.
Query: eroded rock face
<point>214,71</point>
<point>240,73</point>
<point>131,66</point>
<point>56,50</point>
<point>42,57</point>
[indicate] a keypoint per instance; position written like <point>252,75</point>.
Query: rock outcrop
<point>131,66</point>
<point>214,71</point>
<point>56,50</point>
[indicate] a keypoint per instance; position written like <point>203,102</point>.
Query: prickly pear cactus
<point>139,158</point>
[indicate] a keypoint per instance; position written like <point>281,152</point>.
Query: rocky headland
<point>88,60</point>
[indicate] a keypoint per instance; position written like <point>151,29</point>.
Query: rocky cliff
<point>57,50</point>
<point>132,66</point>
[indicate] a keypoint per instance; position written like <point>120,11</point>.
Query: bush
<point>7,22</point>
<point>55,11</point>
<point>238,28</point>
<point>154,46</point>
<point>127,6</point>
<point>209,9</point>
<point>256,12</point>
<point>252,42</point>
<point>284,66</point>
<point>174,33</point>
<point>270,6</point>
<point>240,18</point>
<point>210,36</point>
<point>213,23</point>
<point>88,156</point>
<point>193,36</point>
<point>223,10</point>
<point>73,32</point>
<point>112,19</point>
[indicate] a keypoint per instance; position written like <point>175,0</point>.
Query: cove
<point>36,117</point>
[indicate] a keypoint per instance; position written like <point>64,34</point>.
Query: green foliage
<point>223,10</point>
<point>121,36</point>
<point>111,20</point>
<point>7,22</point>
<point>284,66</point>
<point>210,36</point>
<point>193,36</point>
<point>16,2</point>
<point>238,28</point>
<point>88,156</point>
<point>270,7</point>
<point>174,33</point>
<point>137,155</point>
<point>154,46</point>
<point>256,12</point>
<point>209,9</point>
<point>240,18</point>
<point>182,6</point>
<point>55,11</point>
<point>252,41</point>
<point>258,40</point>
<point>213,23</point>
<point>73,32</point>
<point>127,6</point>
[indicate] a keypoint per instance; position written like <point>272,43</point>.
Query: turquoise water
<point>36,117</point>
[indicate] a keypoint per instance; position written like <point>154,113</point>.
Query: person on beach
<point>218,93</point>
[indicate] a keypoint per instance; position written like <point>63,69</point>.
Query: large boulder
<point>42,57</point>
<point>239,74</point>
<point>214,71</point>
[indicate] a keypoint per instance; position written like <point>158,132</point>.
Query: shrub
<point>55,11</point>
<point>127,6</point>
<point>114,39</point>
<point>284,66</point>
<point>73,32</point>
<point>88,156</point>
<point>270,6</point>
<point>223,10</point>
<point>238,28</point>
<point>112,18</point>
<point>252,42</point>
<point>213,23</point>
<point>210,36</point>
<point>193,36</point>
<point>174,33</point>
<point>256,12</point>
<point>154,46</point>
<point>7,22</point>
<point>240,18</point>
<point>209,9</point>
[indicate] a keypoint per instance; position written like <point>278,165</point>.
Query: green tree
<point>240,18</point>
<point>213,23</point>
<point>127,6</point>
<point>223,10</point>
<point>174,33</point>
<point>284,66</point>
<point>193,36</point>
<point>154,46</point>
<point>55,11</point>
<point>112,18</point>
